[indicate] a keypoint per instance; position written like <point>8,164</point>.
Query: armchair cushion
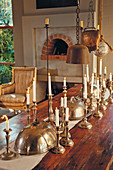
<point>9,88</point>
<point>12,98</point>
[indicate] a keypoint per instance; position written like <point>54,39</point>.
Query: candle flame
<point>87,65</point>
<point>56,108</point>
<point>27,90</point>
<point>92,74</point>
<point>65,95</point>
<point>84,75</point>
<point>34,79</point>
<point>97,78</point>
<point>48,74</point>
<point>105,67</point>
<point>4,117</point>
<point>64,78</point>
<point>101,59</point>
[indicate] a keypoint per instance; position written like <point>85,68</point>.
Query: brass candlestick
<point>28,114</point>
<point>61,111</point>
<point>102,103</point>
<point>58,148</point>
<point>66,141</point>
<point>110,100</point>
<point>85,124</point>
<point>34,111</point>
<point>50,116</point>
<point>91,106</point>
<point>8,155</point>
<point>98,113</point>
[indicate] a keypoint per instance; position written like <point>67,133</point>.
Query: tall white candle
<point>97,87</point>
<point>34,90</point>
<point>95,70</point>
<point>65,101</point>
<point>7,121</point>
<point>49,84</point>
<point>57,116</point>
<point>28,97</point>
<point>110,77</point>
<point>100,66</point>
<point>85,87</point>
<point>104,83</point>
<point>87,72</point>
<point>62,102</point>
<point>92,81</point>
<point>67,114</point>
<point>64,81</point>
<point>105,70</point>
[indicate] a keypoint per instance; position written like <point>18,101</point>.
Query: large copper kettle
<point>90,38</point>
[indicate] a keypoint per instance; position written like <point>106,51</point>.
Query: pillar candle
<point>105,70</point>
<point>87,72</point>
<point>97,87</point>
<point>85,87</point>
<point>28,97</point>
<point>47,21</point>
<point>110,77</point>
<point>67,114</point>
<point>64,81</point>
<point>100,66</point>
<point>65,101</point>
<point>49,84</point>
<point>92,81</point>
<point>57,116</point>
<point>34,90</point>
<point>62,102</point>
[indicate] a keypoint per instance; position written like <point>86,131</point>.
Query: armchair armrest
<point>7,88</point>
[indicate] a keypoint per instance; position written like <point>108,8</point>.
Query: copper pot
<point>91,38</point>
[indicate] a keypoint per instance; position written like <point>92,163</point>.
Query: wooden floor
<point>92,150</point>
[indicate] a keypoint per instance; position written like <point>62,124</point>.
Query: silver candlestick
<point>50,116</point>
<point>98,114</point>
<point>28,113</point>
<point>34,111</point>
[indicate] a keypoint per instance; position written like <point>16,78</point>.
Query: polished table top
<point>93,149</point>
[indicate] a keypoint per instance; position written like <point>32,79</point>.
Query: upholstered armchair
<point>13,95</point>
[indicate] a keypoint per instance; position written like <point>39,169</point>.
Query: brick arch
<point>50,45</point>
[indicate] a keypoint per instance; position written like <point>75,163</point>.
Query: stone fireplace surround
<point>35,48</point>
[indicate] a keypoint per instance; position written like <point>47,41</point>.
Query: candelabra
<point>58,148</point>
<point>98,113</point>
<point>110,100</point>
<point>50,115</point>
<point>66,141</point>
<point>85,124</point>
<point>28,113</point>
<point>102,102</point>
<point>8,155</point>
<point>34,111</point>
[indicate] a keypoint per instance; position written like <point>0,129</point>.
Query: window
<point>6,41</point>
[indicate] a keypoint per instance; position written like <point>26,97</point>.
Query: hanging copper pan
<point>90,38</point>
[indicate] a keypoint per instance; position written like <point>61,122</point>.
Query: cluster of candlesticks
<point>94,94</point>
<point>62,125</point>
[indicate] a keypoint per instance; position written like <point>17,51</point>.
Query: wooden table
<point>92,150</point>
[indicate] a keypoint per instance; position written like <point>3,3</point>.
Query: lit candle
<point>100,66</point>
<point>95,70</point>
<point>57,116</point>
<point>98,27</point>
<point>85,87</point>
<point>67,114</point>
<point>97,87</point>
<point>7,121</point>
<point>110,77</point>
<point>65,101</point>
<point>47,21</point>
<point>34,89</point>
<point>92,81</point>
<point>82,24</point>
<point>64,81</point>
<point>104,83</point>
<point>49,84</point>
<point>62,102</point>
<point>105,70</point>
<point>87,72</point>
<point>28,97</point>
